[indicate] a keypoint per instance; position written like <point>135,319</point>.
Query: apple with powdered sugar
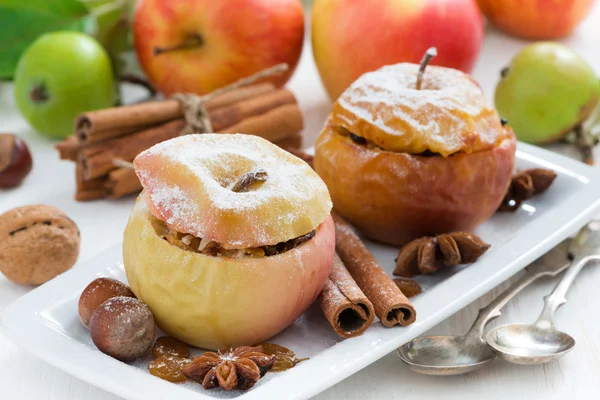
<point>418,159</point>
<point>231,239</point>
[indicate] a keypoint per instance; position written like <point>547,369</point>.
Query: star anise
<point>524,185</point>
<point>428,254</point>
<point>238,368</point>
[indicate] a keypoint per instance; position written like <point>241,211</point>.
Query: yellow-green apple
<point>352,37</point>
<point>217,266</point>
<point>535,19</point>
<point>546,91</point>
<point>200,45</point>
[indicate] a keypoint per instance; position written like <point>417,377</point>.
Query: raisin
<point>357,139</point>
<point>168,368</point>
<point>171,347</point>
<point>286,358</point>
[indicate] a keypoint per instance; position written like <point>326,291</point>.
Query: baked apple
<point>402,162</point>
<point>231,239</point>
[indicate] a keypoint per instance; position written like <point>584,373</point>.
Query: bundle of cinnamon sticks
<point>106,140</point>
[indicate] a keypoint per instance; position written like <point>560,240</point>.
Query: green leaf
<point>22,21</point>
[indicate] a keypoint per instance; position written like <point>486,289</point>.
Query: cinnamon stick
<point>100,125</point>
<point>345,306</point>
<point>276,124</point>
<point>87,190</point>
<point>391,305</point>
<point>231,115</point>
<point>68,148</point>
<point>239,94</point>
<point>98,159</point>
<point>122,182</point>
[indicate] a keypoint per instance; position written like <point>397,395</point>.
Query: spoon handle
<point>557,298</point>
<point>545,266</point>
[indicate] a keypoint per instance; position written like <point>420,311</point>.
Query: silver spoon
<point>454,355</point>
<point>540,342</point>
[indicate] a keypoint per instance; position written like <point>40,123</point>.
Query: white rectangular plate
<point>45,321</point>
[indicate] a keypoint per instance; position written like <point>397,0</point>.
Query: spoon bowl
<point>541,342</point>
<point>444,355</point>
<point>528,344</point>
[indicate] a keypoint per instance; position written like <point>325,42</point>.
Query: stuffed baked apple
<point>403,162</point>
<point>231,239</point>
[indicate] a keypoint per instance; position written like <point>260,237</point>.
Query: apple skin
<point>219,302</point>
<point>535,19</point>
<point>546,91</point>
<point>77,76</point>
<point>352,37</point>
<point>240,37</point>
<point>397,197</point>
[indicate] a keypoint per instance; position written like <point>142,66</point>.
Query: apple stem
<point>585,144</point>
<point>137,80</point>
<point>189,43</point>
<point>429,54</point>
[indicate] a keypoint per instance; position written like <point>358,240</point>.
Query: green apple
<point>546,91</point>
<point>59,76</point>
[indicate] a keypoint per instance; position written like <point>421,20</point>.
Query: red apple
<point>536,19</point>
<point>352,37</point>
<point>200,45</point>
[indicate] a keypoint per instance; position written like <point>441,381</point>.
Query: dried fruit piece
<point>286,358</point>
<point>168,368</point>
<point>170,347</point>
<point>409,287</point>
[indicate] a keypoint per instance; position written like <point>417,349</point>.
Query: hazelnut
<point>98,292</point>
<point>123,328</point>
<point>15,161</point>
<point>37,243</point>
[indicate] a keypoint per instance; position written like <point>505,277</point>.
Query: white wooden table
<point>576,376</point>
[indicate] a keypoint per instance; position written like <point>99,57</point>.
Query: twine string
<point>195,114</point>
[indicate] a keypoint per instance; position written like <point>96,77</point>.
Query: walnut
<point>37,243</point>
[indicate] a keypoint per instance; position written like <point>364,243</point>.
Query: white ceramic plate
<point>45,321</point>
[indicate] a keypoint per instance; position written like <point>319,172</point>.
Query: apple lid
<point>189,184</point>
<point>448,114</point>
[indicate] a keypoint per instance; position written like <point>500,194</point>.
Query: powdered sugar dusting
<point>448,114</point>
<point>187,182</point>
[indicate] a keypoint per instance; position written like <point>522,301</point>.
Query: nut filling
<point>211,248</point>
